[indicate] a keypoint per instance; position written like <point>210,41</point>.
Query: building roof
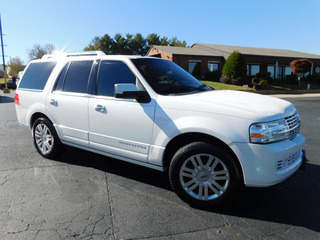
<point>225,50</point>
<point>182,51</point>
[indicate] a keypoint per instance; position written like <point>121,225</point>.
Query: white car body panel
<point>259,161</point>
<point>140,132</point>
<point>125,126</point>
<point>70,116</point>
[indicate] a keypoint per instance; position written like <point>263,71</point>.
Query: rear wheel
<point>203,174</point>
<point>46,139</point>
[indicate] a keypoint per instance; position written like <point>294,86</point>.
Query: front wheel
<point>203,174</point>
<point>46,139</point>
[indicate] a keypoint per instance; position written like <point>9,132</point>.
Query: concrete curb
<point>310,91</point>
<point>307,95</point>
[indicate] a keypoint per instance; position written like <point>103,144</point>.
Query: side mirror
<point>130,91</point>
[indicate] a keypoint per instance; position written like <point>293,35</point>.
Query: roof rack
<point>86,53</point>
<point>46,56</point>
<point>76,54</point>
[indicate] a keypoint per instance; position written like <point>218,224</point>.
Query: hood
<point>233,103</point>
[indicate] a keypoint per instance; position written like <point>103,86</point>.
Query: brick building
<point>204,59</point>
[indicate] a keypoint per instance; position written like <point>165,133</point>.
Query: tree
<point>94,44</point>
<point>235,66</point>
<point>130,44</point>
<point>299,67</point>
<point>106,44</point>
<point>16,65</point>
<point>181,44</point>
<point>174,42</point>
<point>120,44</point>
<point>49,48</point>
<point>153,39</point>
<point>39,51</point>
<point>164,41</point>
<point>138,45</point>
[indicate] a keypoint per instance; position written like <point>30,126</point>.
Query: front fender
<point>172,123</point>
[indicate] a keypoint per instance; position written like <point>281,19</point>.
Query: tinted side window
<point>60,80</point>
<point>36,75</point>
<point>77,77</point>
<point>111,73</point>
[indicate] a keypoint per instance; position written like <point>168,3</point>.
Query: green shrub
<point>314,79</point>
<point>213,76</point>
<point>225,80</point>
<point>292,79</point>
<point>255,80</point>
<point>237,81</point>
<point>235,66</point>
<point>263,82</point>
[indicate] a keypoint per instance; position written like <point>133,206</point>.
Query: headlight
<point>269,132</point>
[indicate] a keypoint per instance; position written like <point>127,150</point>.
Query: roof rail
<point>76,54</point>
<point>86,53</point>
<point>46,56</point>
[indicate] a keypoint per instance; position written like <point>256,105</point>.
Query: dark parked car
<point>10,84</point>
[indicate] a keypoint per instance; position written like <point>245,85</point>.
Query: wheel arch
<point>37,115</point>
<point>186,138</point>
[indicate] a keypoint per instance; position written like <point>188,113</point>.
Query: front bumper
<point>304,160</point>
<point>268,164</point>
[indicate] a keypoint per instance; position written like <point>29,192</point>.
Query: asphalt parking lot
<point>86,196</point>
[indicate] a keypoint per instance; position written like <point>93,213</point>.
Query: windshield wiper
<point>202,86</point>
<point>183,89</point>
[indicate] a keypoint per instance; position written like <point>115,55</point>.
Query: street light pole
<point>6,89</point>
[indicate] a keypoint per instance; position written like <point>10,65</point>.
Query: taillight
<point>16,99</point>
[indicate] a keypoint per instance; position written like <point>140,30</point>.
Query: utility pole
<point>6,89</point>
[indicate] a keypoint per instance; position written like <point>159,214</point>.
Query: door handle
<point>53,102</point>
<point>100,108</point>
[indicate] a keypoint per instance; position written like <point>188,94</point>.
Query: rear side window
<point>36,75</point>
<point>60,81</point>
<point>77,77</point>
<point>111,73</point>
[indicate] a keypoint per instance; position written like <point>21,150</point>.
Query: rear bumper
<point>268,164</point>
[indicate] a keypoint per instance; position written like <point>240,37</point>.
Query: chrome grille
<point>293,122</point>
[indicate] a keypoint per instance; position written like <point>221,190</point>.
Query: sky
<point>70,25</point>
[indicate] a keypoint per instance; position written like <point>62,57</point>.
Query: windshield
<point>166,77</point>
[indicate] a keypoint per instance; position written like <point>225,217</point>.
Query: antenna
<point>6,89</point>
<point>3,59</point>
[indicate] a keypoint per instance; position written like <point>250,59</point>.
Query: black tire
<point>210,184</point>
<point>45,139</point>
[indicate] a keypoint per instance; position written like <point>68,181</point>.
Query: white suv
<point>150,112</point>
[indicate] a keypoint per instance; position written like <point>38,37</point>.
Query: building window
<point>270,69</point>
<point>195,67</point>
<point>252,70</point>
<point>283,72</point>
<point>287,71</point>
<point>213,66</point>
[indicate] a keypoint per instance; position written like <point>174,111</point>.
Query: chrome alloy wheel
<point>44,138</point>
<point>204,177</point>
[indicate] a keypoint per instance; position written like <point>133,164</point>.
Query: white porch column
<point>277,66</point>
<point>311,72</point>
